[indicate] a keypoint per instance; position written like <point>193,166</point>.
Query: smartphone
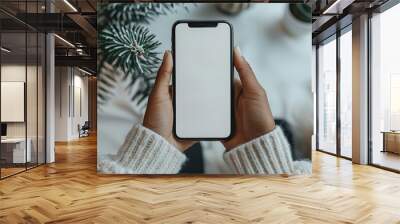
<point>203,80</point>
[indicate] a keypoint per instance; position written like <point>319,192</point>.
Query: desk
<point>391,141</point>
<point>13,150</point>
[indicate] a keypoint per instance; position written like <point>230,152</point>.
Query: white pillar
<point>314,95</point>
<point>50,92</point>
<point>50,99</point>
<point>360,90</point>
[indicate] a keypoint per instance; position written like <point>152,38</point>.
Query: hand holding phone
<point>253,115</point>
<point>204,104</point>
<point>159,112</point>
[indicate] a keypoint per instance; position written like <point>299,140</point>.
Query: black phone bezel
<point>203,23</point>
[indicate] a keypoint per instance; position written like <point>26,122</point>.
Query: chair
<point>84,130</point>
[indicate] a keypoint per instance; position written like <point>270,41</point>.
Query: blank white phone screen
<point>203,81</point>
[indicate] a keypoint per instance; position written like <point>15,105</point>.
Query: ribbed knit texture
<point>146,152</point>
<point>143,152</point>
<point>268,154</point>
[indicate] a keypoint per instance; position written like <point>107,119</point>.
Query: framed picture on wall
<point>12,101</point>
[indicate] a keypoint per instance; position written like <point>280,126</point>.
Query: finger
<point>238,90</point>
<point>246,74</point>
<point>164,73</point>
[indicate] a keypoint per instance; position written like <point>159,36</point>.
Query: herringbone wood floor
<point>70,191</point>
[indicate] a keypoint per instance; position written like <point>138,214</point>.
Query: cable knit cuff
<point>268,154</point>
<point>143,152</point>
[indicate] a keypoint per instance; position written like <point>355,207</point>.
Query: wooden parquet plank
<point>71,191</point>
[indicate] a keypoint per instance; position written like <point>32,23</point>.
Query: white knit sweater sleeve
<point>146,152</point>
<point>268,154</point>
<point>143,152</point>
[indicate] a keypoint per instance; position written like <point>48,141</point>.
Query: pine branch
<point>110,79</point>
<point>106,82</point>
<point>135,12</point>
<point>130,47</point>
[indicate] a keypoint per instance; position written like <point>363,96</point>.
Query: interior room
<point>51,87</point>
<point>22,100</point>
<point>385,90</point>
<point>335,59</point>
<point>28,56</point>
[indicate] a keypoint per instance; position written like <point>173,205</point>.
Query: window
<point>385,89</point>
<point>346,75</point>
<point>327,97</point>
<point>394,102</point>
<point>333,137</point>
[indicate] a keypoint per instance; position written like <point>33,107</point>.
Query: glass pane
<point>346,94</point>
<point>32,88</point>
<point>31,98</point>
<point>23,82</point>
<point>41,99</point>
<point>13,86</point>
<point>386,89</point>
<point>327,97</point>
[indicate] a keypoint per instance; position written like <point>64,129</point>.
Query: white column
<point>50,92</point>
<point>314,95</point>
<point>50,99</point>
<point>360,90</point>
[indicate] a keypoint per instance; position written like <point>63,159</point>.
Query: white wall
<point>70,83</point>
<point>17,72</point>
<point>79,117</point>
<point>61,103</point>
<point>14,72</point>
<point>33,126</point>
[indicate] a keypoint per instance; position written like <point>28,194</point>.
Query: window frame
<point>378,10</point>
<point>334,37</point>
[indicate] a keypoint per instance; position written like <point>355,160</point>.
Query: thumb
<point>246,74</point>
<point>164,74</point>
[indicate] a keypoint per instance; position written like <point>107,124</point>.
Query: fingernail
<point>239,53</point>
<point>238,50</point>
<point>166,54</point>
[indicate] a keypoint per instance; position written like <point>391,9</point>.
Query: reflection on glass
<point>386,89</point>
<point>394,101</point>
<point>22,92</point>
<point>31,100</point>
<point>327,97</point>
<point>14,153</point>
<point>346,94</point>
<point>41,99</point>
